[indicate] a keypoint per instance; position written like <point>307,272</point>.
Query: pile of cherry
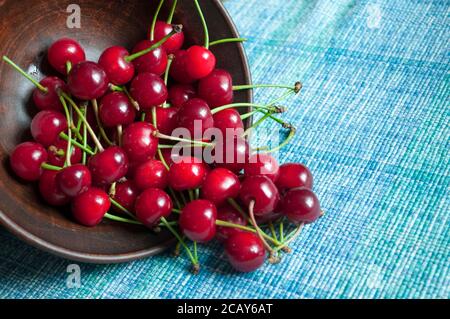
<point>114,159</point>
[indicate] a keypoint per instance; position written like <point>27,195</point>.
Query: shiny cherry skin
<point>217,88</point>
<point>186,173</point>
<point>231,153</point>
<point>294,175</point>
<point>263,191</point>
<point>151,174</point>
<point>178,69</point>
<point>49,100</point>
<point>195,115</point>
<point>65,50</point>
<point>181,93</point>
<point>271,217</point>
<point>166,118</point>
<point>87,81</point>
<point>227,213</point>
<point>116,109</point>
<point>245,251</point>
<point>151,205</point>
<point>262,164</point>
<point>90,207</point>
<point>46,126</point>
<point>50,191</point>
<point>301,205</point>
<point>148,90</point>
<point>174,43</point>
<point>26,160</point>
<point>75,179</point>
<point>200,62</point>
<point>153,62</point>
<point>125,194</point>
<point>108,166</point>
<point>139,141</point>
<point>118,70</point>
<point>198,220</point>
<point>219,185</point>
<point>228,119</point>
<point>57,153</point>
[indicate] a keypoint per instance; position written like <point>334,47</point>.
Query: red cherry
<point>57,153</point>
<point>271,217</point>
<point>139,142</point>
<point>261,190</point>
<point>229,214</point>
<point>181,93</point>
<point>186,173</point>
<point>118,70</point>
<point>301,205</point>
<point>153,62</point>
<point>116,109</point>
<point>26,160</point>
<point>108,166</point>
<point>89,207</point>
<point>245,251</point>
<point>50,191</point>
<point>151,174</point>
<point>228,119</point>
<point>125,194</point>
<point>231,153</point>
<point>219,185</point>
<point>152,205</point>
<point>294,175</point>
<point>46,126</point>
<point>65,50</point>
<point>166,118</point>
<point>49,100</point>
<point>195,115</point>
<point>87,81</point>
<point>262,164</point>
<point>217,88</point>
<point>148,90</point>
<point>200,62</point>
<point>198,220</point>
<point>174,43</point>
<point>74,179</point>
<point>178,69</point>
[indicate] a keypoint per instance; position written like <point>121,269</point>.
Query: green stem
<point>284,143</point>
<point>116,88</point>
<point>99,123</point>
<point>282,230</point>
<point>205,26</point>
<point>191,195</point>
<point>179,139</point>
<point>69,132</point>
<point>155,18</point>
<point>256,86</point>
<point>246,228</point>
<point>133,101</point>
<point>256,124</point>
<point>172,11</point>
<point>227,40</point>
<point>121,219</point>
<point>50,167</point>
<point>84,158</point>
<point>84,148</point>
<point>195,251</point>
<point>26,75</point>
<point>180,240</point>
<point>123,209</point>
<point>68,66</point>
<point>176,200</point>
<point>272,230</point>
<point>236,105</point>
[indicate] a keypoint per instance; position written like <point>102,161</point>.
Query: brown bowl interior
<point>27,29</point>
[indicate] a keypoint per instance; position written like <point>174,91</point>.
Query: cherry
<point>151,205</point>
<point>301,205</point>
<point>118,70</point>
<point>261,190</point>
<point>219,185</point>
<point>65,50</point>
<point>87,81</point>
<point>89,207</point>
<point>139,141</point>
<point>178,69</point>
<point>151,174</point>
<point>231,153</point>
<point>49,100</point>
<point>181,93</point>
<point>148,90</point>
<point>74,179</point>
<point>200,62</point>
<point>50,191</point>
<point>245,251</point>
<point>57,153</point>
<point>166,118</point>
<point>198,220</point>
<point>262,164</point>
<point>217,88</point>
<point>26,160</point>
<point>271,217</point>
<point>153,62</point>
<point>108,166</point>
<point>174,43</point>
<point>125,194</point>
<point>186,173</point>
<point>229,214</point>
<point>116,109</point>
<point>195,115</point>
<point>294,175</point>
<point>46,126</point>
<point>228,119</point>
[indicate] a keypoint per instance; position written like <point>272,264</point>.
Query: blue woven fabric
<point>373,126</point>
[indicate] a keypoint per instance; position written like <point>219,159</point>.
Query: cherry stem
<point>296,88</point>
<point>121,219</point>
<point>272,230</point>
<point>115,88</point>
<point>69,132</point>
<point>290,238</point>
<point>223,223</point>
<point>120,207</point>
<point>166,74</point>
<point>25,74</point>
<point>256,124</point>
<point>99,123</point>
<point>84,148</point>
<point>282,230</point>
<point>175,198</point>
<point>50,167</point>
<point>259,232</point>
<point>227,40</point>
<point>133,101</point>
<point>195,251</point>
<point>84,158</point>
<point>68,66</point>
<point>179,139</point>
<point>205,26</point>
<point>172,11</point>
<point>256,106</point>
<point>119,134</point>
<point>289,137</point>
<point>177,28</point>
<point>155,18</point>
<point>191,195</point>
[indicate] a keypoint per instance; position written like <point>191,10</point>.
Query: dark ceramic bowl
<point>27,28</point>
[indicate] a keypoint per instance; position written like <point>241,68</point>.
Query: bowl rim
<point>60,251</point>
